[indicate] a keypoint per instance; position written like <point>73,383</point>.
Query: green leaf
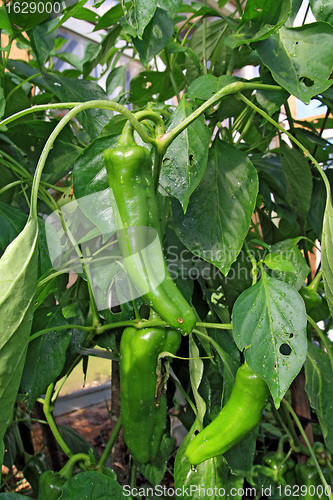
<point>196,367</point>
<point>93,486</point>
<point>139,14</point>
<point>155,36</point>
<point>19,99</point>
<point>240,457</point>
<point>219,213</point>
<point>290,251</point>
<point>269,322</point>
<point>46,355</point>
<point>116,78</point>
<point>71,90</point>
<point>4,20</point>
<point>2,102</point>
<point>12,221</point>
<point>205,86</point>
<point>279,262</point>
<point>11,496</point>
<point>31,15</point>
<point>298,179</point>
<point>89,176</point>
<point>327,252</point>
<point>185,160</point>
<point>171,6</point>
<point>31,136</point>
<point>42,42</point>
<point>297,60</point>
<point>322,10</point>
<point>155,471</point>
<point>110,18</point>
<point>154,86</point>
<point>18,280</point>
<point>319,387</point>
<point>260,19</point>
<point>212,476</point>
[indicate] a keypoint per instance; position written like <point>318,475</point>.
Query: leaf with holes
<point>269,322</point>
<point>327,253</point>
<point>220,210</point>
<point>185,160</point>
<point>297,60</point>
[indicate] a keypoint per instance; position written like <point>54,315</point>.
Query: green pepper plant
<point>192,199</point>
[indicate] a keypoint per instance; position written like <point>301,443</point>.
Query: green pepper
<point>311,297</point>
<point>51,483</point>
<point>36,465</point>
<point>129,169</point>
<point>277,460</point>
<point>237,418</point>
<point>143,386</point>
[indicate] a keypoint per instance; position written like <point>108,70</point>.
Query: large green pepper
<point>129,169</point>
<point>142,388</point>
<point>237,418</point>
<point>51,483</point>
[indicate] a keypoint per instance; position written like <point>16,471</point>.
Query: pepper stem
<point>67,471</point>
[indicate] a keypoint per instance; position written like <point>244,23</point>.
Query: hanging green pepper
<point>311,297</point>
<point>51,483</point>
<point>237,418</point>
<point>129,169</point>
<point>142,388</point>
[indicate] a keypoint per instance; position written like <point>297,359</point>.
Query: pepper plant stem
<point>313,456</point>
<point>110,443</point>
<point>48,408</point>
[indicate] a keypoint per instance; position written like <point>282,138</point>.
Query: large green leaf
<point>219,213</point>
<point>42,39</point>
<point>71,90</point>
<point>90,177</point>
<point>18,280</point>
<point>319,387</point>
<point>289,250</point>
<point>185,160</point>
<point>322,10</point>
<point>93,486</point>
<point>297,60</point>
<point>155,36</point>
<point>327,252</point>
<point>298,179</point>
<point>138,15</point>
<point>46,355</point>
<point>212,476</point>
<point>31,136</point>
<point>269,322</point>
<point>259,20</point>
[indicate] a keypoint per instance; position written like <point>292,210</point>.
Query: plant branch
<point>292,138</point>
<point>48,409</point>
<point>110,444</point>
<point>233,88</point>
<point>313,456</point>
